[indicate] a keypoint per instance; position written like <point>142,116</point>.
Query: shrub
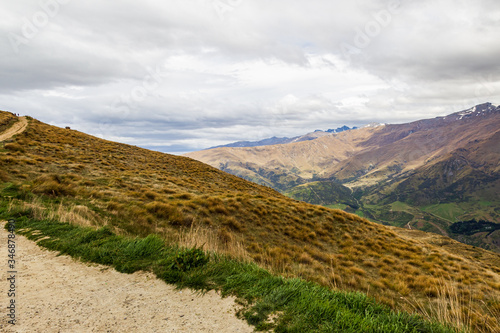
<point>305,258</point>
<point>187,259</point>
<point>184,196</point>
<point>224,235</point>
<point>150,195</point>
<point>219,209</point>
<point>114,206</point>
<point>168,191</point>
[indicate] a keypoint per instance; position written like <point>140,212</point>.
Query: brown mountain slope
<point>295,162</point>
<point>468,172</point>
<point>70,176</point>
<point>400,148</point>
<point>357,157</point>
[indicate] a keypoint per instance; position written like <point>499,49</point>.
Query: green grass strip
<point>297,305</point>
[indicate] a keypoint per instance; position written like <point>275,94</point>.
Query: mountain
<point>278,141</point>
<point>265,142</point>
<point>286,165</point>
<point>423,167</point>
<point>340,129</point>
<point>409,146</point>
<point>55,174</point>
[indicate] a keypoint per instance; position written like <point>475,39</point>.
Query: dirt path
<point>443,232</point>
<point>17,128</point>
<point>59,294</point>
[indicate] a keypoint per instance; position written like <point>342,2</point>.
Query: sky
<point>183,75</point>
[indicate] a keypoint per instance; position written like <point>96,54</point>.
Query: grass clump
<point>14,146</point>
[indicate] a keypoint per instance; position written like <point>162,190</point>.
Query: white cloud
<point>183,75</point>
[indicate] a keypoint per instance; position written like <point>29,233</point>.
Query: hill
<point>286,165</point>
<point>452,160</point>
<point>61,174</point>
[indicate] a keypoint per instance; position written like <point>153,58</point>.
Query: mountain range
<point>427,174</point>
<point>278,141</point>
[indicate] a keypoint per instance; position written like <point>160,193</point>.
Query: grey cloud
<point>179,75</point>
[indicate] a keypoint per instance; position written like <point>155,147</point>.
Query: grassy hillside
<point>323,193</point>
<point>49,173</point>
<point>431,162</point>
<point>459,186</point>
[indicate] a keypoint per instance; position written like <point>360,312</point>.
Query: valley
<point>426,175</point>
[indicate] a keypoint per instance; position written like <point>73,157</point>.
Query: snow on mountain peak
<point>466,112</point>
<point>478,110</point>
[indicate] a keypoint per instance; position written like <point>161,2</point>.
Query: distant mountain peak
<point>475,111</point>
<point>265,142</point>
<point>279,141</point>
<point>340,129</point>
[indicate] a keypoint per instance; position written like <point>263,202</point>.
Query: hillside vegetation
<point>55,174</point>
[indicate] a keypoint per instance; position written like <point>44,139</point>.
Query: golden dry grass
<point>70,176</point>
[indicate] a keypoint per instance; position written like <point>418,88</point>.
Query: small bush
<point>305,258</point>
<point>168,191</point>
<point>187,259</point>
<point>160,209</point>
<point>224,235</point>
<point>114,206</point>
<point>219,209</point>
<point>184,196</point>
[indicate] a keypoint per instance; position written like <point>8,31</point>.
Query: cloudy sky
<point>183,75</point>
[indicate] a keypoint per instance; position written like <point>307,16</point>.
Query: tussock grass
<point>449,304</point>
<point>64,212</point>
<point>7,119</point>
<point>209,240</point>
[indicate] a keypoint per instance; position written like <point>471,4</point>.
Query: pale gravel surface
<point>17,128</point>
<point>59,294</point>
